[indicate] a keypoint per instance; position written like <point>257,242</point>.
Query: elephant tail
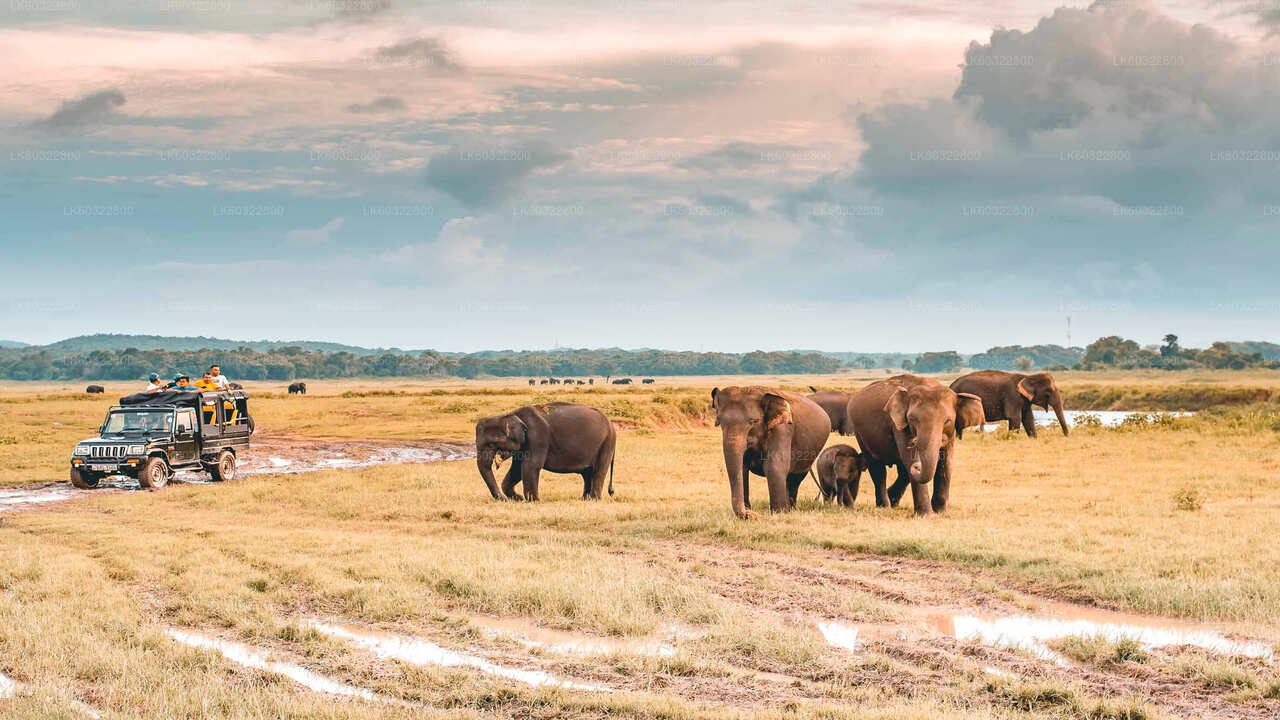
<point>610,477</point>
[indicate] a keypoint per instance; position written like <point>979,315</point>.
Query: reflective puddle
<point>1032,633</point>
<point>14,499</point>
<point>8,688</point>
<point>418,651</point>
<point>1107,418</point>
<point>566,643</point>
<point>262,660</point>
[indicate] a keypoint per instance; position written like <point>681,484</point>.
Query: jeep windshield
<point>138,422</point>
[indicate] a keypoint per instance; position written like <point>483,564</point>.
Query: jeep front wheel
<point>83,480</point>
<point>154,473</point>
<point>224,468</point>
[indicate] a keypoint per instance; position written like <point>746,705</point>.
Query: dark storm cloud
<point>88,110</point>
<point>428,53</point>
<point>383,104</point>
<point>484,176</point>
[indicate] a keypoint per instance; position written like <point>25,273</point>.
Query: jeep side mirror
<point>182,429</point>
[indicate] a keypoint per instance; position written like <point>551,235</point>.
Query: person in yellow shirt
<point>205,384</point>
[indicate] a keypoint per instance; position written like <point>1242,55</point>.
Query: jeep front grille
<point>107,451</point>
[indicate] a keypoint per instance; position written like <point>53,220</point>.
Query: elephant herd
<point>907,422</point>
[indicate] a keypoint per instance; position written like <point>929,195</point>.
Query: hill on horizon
<point>11,344</point>
<point>110,341</point>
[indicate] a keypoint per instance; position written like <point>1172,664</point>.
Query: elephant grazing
<point>298,388</point>
<point>558,437</point>
<point>95,389</point>
<point>836,404</point>
<point>1010,396</point>
<point>773,433</point>
<point>839,470</point>
<point>911,422</point>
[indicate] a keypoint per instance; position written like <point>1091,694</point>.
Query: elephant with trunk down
<point>773,433</point>
<point>1010,396</point>
<point>911,422</point>
<point>558,437</point>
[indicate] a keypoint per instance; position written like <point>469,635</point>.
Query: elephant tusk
<point>498,462</point>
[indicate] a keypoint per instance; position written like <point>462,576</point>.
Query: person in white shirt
<point>215,374</point>
<point>153,383</point>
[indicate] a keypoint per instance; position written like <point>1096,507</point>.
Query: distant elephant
<point>776,434</point>
<point>298,388</point>
<point>839,470</point>
<point>1010,396</point>
<point>911,423</point>
<point>836,404</point>
<point>622,381</point>
<point>568,381</point>
<point>592,381</point>
<point>581,382</point>
<point>553,381</point>
<point>647,381</point>
<point>557,437</point>
<point>543,382</point>
<point>234,386</point>
<point>530,381</point>
<point>95,389</point>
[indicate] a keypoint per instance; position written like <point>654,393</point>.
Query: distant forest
<point>132,357</point>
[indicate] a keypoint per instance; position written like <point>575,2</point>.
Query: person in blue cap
<point>181,383</point>
<point>153,383</point>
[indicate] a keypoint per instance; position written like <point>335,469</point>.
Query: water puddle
<point>8,688</point>
<point>1032,633</point>
<point>1075,418</point>
<point>838,635</point>
<point>418,651</point>
<point>271,456</point>
<point>261,660</point>
<point>566,643</point>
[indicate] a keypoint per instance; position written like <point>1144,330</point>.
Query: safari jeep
<point>149,436</point>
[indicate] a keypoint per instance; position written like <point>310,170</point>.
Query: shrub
<point>1189,499</point>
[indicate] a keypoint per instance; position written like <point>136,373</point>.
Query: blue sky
<point>727,176</point>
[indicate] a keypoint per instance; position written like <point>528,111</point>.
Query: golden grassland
<point>1176,518</point>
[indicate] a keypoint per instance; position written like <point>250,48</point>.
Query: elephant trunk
<point>927,453</point>
<point>484,461</point>
<point>735,450</point>
<point>1056,401</point>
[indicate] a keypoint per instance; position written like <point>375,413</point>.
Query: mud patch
<point>567,643</point>
<point>418,651</point>
<point>268,455</point>
<point>261,660</point>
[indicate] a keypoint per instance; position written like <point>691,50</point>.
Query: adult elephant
<point>95,389</point>
<point>557,437</point>
<point>1010,396</point>
<point>298,388</point>
<point>911,423</point>
<point>836,404</point>
<point>773,433</point>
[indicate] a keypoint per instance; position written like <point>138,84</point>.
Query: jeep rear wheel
<point>224,468</point>
<point>84,480</point>
<point>154,473</point>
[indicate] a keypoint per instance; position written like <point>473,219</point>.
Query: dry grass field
<point>655,602</point>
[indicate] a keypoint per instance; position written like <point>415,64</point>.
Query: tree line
<point>291,362</point>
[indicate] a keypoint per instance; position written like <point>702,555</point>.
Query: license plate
<point>102,468</point>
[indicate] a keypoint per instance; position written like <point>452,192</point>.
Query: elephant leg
<point>600,472</point>
<point>510,480</point>
<point>878,475</point>
<point>920,499</point>
<point>1013,414</point>
<point>793,486</point>
<point>586,483</point>
<point>1028,420</point>
<point>530,469</point>
<point>900,485</point>
<point>849,491</point>
<point>776,465</point>
<point>942,482</point>
<point>746,488</point>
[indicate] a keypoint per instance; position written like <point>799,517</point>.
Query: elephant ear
<point>518,429</point>
<point>896,406</point>
<point>1024,390</point>
<point>969,412</point>
<point>714,392</point>
<point>777,411</point>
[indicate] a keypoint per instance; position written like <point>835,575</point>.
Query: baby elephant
<point>839,469</point>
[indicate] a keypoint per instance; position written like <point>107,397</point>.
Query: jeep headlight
<point>81,450</point>
<point>136,449</point>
